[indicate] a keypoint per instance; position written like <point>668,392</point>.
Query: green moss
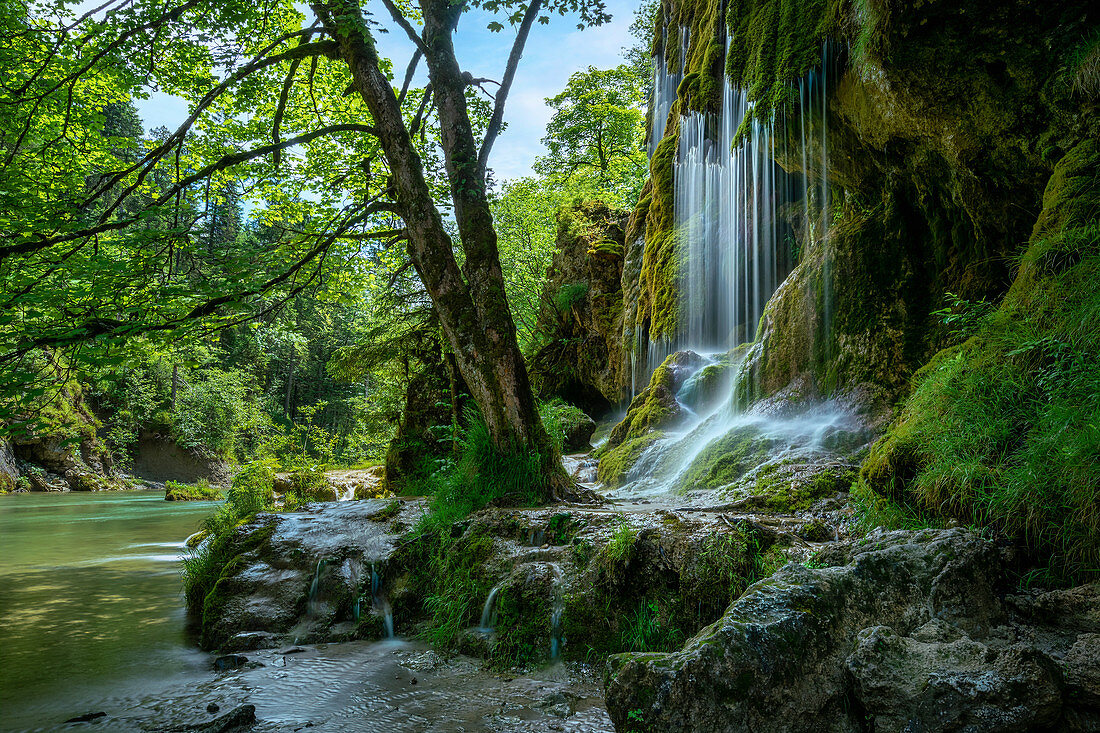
<point>727,460</point>
<point>1001,431</point>
<point>606,248</point>
<point>449,574</point>
<point>659,297</point>
<point>523,627</point>
<point>773,43</point>
<point>616,462</point>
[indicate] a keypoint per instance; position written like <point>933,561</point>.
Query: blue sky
<point>553,52</point>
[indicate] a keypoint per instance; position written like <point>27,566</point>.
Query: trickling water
<point>557,638</point>
<point>489,611</point>
<point>380,602</point>
<point>313,605</point>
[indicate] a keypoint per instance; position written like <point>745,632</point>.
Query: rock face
<point>901,631</point>
<point>59,450</point>
<point>581,358</point>
<point>945,120</point>
<point>514,586</point>
<point>304,576</point>
<point>160,459</point>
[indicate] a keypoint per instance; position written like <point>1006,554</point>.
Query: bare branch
<point>401,20</point>
<point>409,72</point>
<point>497,120</point>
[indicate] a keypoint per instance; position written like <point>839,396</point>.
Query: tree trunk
<point>289,381</point>
<point>469,301</point>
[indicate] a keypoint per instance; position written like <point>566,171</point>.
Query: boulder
<point>936,684</point>
<point>784,655</point>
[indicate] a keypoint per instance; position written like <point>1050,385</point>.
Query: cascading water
<point>733,207</point>
<point>380,602</point>
<point>489,611</point>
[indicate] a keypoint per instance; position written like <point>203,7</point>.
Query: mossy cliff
<point>58,449</point>
<point>944,121</point>
<point>956,203</point>
<point>579,356</point>
<point>944,124</point>
<point>1001,429</point>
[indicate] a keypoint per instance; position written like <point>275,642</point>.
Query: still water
<point>90,600</point>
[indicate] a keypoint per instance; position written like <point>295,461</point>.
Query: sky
<point>553,53</point>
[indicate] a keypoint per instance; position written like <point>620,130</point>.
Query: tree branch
<point>497,120</point>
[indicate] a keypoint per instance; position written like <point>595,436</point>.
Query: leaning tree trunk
<point>469,301</point>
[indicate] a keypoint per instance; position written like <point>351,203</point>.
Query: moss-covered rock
<point>579,355</point>
<point>434,402</point>
<point>1000,428</point>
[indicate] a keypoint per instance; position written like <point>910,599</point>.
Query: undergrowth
<point>250,492</point>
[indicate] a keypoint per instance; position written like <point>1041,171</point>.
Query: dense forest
<point>765,398</point>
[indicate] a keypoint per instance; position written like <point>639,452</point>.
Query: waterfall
<point>736,213</point>
<point>665,83</point>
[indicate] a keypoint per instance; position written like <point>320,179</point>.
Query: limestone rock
<point>908,684</point>
<point>777,660</point>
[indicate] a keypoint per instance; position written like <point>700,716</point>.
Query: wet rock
<point>239,718</point>
<point>86,718</point>
<point>248,641</point>
<point>1076,609</point>
<point>578,432</point>
<point>213,707</point>
<point>229,662</point>
<point>907,684</point>
<point>777,660</point>
<point>298,575</point>
<point>1082,670</point>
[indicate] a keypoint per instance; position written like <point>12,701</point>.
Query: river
<point>92,620</point>
<point>90,601</point>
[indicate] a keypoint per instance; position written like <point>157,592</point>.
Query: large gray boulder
<point>902,631</point>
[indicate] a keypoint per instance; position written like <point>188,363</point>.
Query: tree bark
<point>470,300</point>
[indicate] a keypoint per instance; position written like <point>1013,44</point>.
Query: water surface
<point>90,600</point>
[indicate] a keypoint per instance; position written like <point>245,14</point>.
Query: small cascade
<point>489,611</point>
<point>313,603</point>
<point>345,493</point>
<point>380,602</point>
<point>557,638</point>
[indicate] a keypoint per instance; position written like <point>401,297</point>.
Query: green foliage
<point>570,294</point>
<point>963,317</point>
<point>201,490</point>
<point>1083,66</point>
<point>648,629</point>
<point>215,413</point>
<point>483,473</point>
<point>203,566</point>
<point>595,138</point>
<point>560,419</point>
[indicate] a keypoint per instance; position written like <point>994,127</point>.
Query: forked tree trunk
<point>469,301</point>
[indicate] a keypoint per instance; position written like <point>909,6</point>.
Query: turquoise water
<point>90,600</point>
